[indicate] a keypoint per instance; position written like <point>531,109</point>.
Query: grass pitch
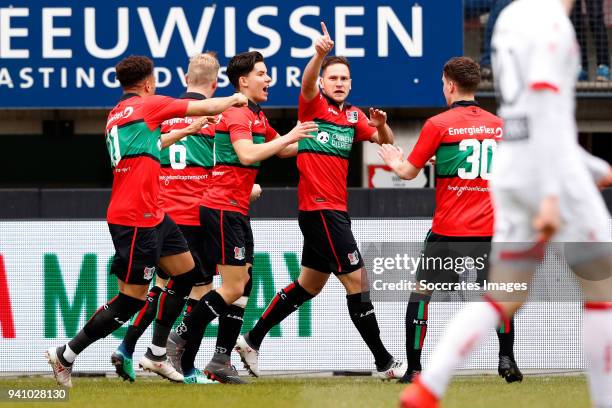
<point>311,392</point>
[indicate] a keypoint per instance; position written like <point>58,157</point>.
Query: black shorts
<point>195,239</point>
<point>138,249</point>
<point>193,236</point>
<point>329,244</point>
<point>445,258</point>
<point>227,237</point>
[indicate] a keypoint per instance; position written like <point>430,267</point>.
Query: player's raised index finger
<point>324,29</point>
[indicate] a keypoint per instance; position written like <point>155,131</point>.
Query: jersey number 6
<point>178,156</point>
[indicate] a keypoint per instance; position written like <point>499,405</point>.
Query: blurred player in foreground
<point>143,236</point>
<point>464,141</point>
<point>544,188</point>
<point>329,245</point>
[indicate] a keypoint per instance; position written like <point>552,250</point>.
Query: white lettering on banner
<point>388,19</point>
<point>342,31</point>
<point>89,77</point>
<point>176,18</point>
<point>123,34</point>
<point>5,78</point>
<point>106,78</point>
<point>230,31</point>
<point>50,32</point>
<point>163,76</point>
<point>85,77</point>
<point>24,74</point>
<point>7,32</point>
<point>46,71</point>
<point>349,22</point>
<point>295,22</point>
<point>293,77</point>
<point>257,28</point>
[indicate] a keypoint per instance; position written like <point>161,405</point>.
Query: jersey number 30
<point>479,159</point>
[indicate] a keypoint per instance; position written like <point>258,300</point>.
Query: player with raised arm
<point>243,138</point>
<point>544,188</point>
<point>143,236</point>
<point>186,164</point>
<point>329,245</point>
<point>464,141</point>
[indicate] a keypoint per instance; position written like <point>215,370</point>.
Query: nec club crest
<point>352,116</point>
<point>148,272</point>
<point>353,257</point>
<point>239,253</point>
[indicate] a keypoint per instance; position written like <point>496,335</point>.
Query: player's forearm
<point>598,168</point>
<point>168,139</point>
<point>384,135</point>
<point>310,77</point>
<point>258,152</point>
<point>289,151</point>
<point>405,170</point>
<point>211,106</point>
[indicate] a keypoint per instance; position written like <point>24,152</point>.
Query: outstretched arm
<point>214,106</point>
<point>394,158</point>
<point>323,45</point>
<point>170,138</point>
<point>249,153</point>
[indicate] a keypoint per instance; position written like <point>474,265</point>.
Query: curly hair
<point>133,69</point>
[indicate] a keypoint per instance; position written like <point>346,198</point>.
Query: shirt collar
<point>463,104</point>
<point>128,96</point>
<point>193,95</point>
<point>255,108</point>
<point>332,102</point>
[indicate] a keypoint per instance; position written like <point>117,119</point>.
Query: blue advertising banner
<point>61,54</point>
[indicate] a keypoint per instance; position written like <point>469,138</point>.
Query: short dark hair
<point>241,64</point>
<point>334,59</point>
<point>464,71</point>
<point>133,69</point>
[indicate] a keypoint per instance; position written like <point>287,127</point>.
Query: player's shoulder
<point>156,99</point>
<point>489,116</point>
<point>442,119</point>
<point>236,114</point>
<point>319,101</point>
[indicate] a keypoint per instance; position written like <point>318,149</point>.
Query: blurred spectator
<point>595,17</point>
<point>476,8</point>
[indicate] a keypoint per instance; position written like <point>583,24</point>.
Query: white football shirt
<point>535,65</point>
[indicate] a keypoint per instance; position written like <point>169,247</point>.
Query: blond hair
<point>203,69</point>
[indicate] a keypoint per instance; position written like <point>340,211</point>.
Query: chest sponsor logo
<point>323,137</point>
<point>352,116</point>
<point>239,253</point>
